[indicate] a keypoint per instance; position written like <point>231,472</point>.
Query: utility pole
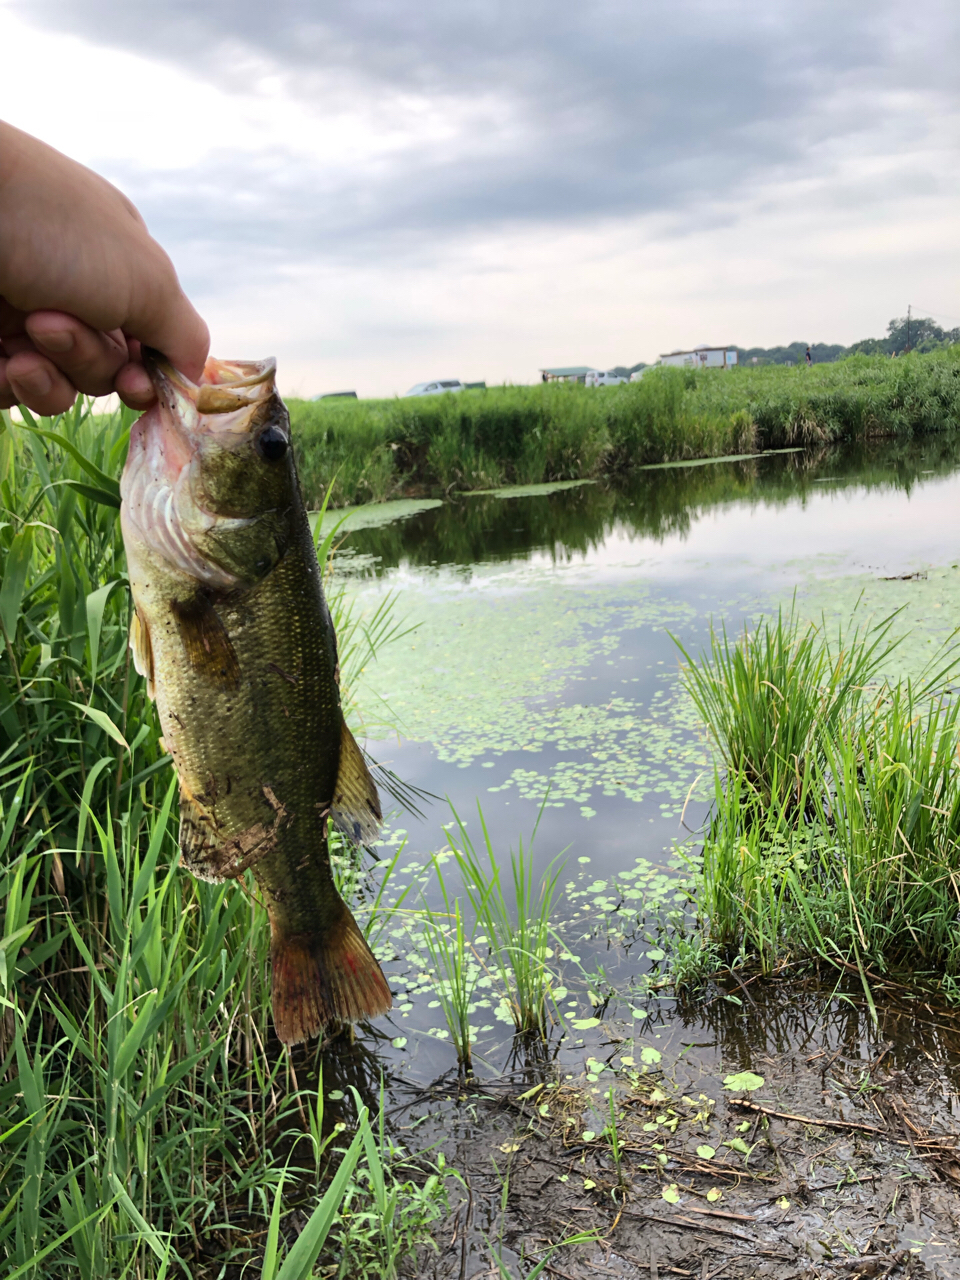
<point>908,325</point>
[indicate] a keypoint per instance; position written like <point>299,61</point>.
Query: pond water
<point>542,682</point>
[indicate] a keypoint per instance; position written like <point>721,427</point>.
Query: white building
<point>703,358</point>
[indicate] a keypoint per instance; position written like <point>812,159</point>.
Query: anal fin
<point>356,806</point>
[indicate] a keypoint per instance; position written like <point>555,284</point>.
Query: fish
<point>234,638</point>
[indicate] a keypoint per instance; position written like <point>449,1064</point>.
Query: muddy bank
<point>836,1156</point>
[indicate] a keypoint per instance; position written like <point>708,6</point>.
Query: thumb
<point>162,316</point>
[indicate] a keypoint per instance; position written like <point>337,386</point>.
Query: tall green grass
<point>514,920</point>
<point>774,697</point>
<point>835,833</point>
<point>519,435</point>
<point>147,1118</point>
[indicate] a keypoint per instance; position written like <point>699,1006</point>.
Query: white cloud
<point>410,191</point>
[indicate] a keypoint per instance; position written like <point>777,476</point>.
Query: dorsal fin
<point>142,650</point>
<point>356,806</point>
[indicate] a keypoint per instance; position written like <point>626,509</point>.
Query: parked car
<point>597,378</point>
<point>638,373</point>
<point>435,388</point>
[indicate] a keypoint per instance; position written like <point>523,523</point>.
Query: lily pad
<point>706,1152</point>
<point>652,1056</point>
<point>743,1082</point>
<point>671,1194</point>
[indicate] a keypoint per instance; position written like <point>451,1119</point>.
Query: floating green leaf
<point>738,1144</point>
<point>743,1082</point>
<point>706,1152</point>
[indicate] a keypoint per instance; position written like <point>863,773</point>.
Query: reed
<point>521,435</point>
<point>515,921</point>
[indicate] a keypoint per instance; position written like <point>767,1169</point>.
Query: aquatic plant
<point>455,968</point>
<point>774,696</point>
<point>515,923</point>
<point>848,849</point>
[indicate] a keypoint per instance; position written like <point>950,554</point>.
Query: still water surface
<point>543,671</point>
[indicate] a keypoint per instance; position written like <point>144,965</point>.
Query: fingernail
<point>37,382</point>
<point>59,340</point>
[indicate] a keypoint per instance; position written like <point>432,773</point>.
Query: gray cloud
<point>563,113</point>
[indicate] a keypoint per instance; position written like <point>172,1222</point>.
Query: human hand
<point>82,284</point>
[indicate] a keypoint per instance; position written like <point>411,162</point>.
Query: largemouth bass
<point>234,637</point>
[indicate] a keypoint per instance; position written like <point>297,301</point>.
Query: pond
<point>541,680</point>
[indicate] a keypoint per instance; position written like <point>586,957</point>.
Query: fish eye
<point>273,444</point>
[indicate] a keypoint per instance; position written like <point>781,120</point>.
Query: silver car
<point>435,388</point>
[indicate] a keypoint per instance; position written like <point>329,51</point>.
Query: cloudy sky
<point>389,190</point>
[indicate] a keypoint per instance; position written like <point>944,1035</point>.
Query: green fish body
<point>234,636</point>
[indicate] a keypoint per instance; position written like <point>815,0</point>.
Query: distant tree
<point>924,334</point>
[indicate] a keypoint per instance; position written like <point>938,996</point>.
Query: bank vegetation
<point>373,450</point>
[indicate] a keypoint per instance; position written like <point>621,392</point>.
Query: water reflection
<point>652,503</point>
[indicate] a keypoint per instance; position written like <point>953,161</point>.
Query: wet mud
<point>736,1156</point>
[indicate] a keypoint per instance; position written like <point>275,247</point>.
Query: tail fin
<point>319,978</point>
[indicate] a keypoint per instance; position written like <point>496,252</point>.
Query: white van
<point>597,378</point>
<point>435,388</point>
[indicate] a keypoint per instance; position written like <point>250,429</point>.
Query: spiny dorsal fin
<point>205,641</point>
<point>142,650</point>
<point>356,806</point>
<point>199,839</point>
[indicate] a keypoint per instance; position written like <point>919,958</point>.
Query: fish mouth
<point>163,500</point>
<point>225,387</point>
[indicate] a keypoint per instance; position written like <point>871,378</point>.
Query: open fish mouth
<point>161,485</point>
<point>226,387</point>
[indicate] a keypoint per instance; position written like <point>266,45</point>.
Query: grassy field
<point>376,449</point>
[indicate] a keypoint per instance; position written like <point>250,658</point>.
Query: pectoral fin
<point>142,650</point>
<point>205,641</point>
<point>356,806</point>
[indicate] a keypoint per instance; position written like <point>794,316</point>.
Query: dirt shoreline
<point>842,1163</point>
